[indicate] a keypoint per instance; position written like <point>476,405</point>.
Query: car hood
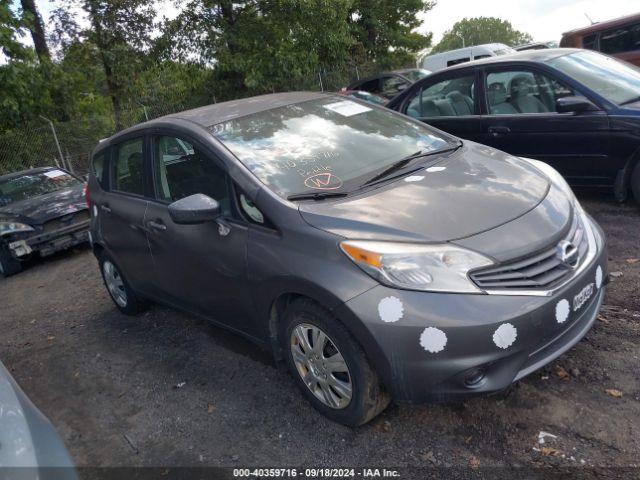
<point>473,190</point>
<point>38,210</point>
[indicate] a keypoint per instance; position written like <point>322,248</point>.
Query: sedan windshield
<point>614,80</point>
<point>29,185</point>
<point>327,144</point>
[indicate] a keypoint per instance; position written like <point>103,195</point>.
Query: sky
<point>544,19</point>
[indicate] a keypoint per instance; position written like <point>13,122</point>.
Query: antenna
<point>589,18</point>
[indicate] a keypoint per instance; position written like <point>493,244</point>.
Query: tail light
<point>85,190</point>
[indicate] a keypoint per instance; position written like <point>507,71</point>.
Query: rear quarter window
<point>97,166</point>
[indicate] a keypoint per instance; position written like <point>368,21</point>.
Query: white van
<point>440,61</point>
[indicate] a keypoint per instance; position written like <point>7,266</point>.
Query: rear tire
<point>350,394</point>
<point>9,265</point>
<point>635,183</point>
<point>127,301</point>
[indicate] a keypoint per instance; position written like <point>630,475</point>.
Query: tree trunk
<point>112,86</point>
<point>37,30</point>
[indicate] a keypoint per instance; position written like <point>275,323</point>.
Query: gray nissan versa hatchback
<point>379,257</point>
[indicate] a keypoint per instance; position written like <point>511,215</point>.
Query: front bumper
<point>444,347</point>
<point>51,242</point>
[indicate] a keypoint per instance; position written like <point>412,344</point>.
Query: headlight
<point>434,268</point>
<point>13,227</point>
<point>555,177</point>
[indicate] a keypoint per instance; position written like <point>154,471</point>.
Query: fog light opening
<point>474,378</point>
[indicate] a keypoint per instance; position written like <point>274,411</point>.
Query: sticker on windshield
<point>54,173</point>
<point>323,181</point>
<point>347,108</point>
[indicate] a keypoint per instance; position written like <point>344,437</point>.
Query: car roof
<point>487,46</point>
<point>603,25</point>
<point>523,56</point>
<point>20,173</point>
<point>225,111</point>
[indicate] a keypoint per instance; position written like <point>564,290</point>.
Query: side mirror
<point>573,104</point>
<point>197,208</point>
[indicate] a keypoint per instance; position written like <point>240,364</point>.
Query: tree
<point>10,34</point>
<point>33,21</point>
<point>384,30</point>
<point>480,30</point>
<point>259,46</point>
<point>120,31</point>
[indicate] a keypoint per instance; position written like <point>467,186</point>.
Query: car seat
<point>461,104</point>
<point>522,97</point>
<point>132,183</point>
<point>498,104</point>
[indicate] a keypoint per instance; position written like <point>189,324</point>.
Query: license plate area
<point>582,297</point>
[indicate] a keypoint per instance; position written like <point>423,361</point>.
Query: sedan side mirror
<point>197,208</point>
<point>574,104</point>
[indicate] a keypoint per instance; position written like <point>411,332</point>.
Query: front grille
<point>65,221</point>
<point>542,270</point>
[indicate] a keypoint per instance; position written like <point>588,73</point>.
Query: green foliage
<point>109,68</point>
<point>477,31</point>
<point>11,30</point>
<point>384,30</point>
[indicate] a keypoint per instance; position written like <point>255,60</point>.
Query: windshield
<point>614,80</point>
<point>415,75</point>
<point>29,185</point>
<point>327,144</point>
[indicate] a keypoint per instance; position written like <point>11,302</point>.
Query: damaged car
<point>42,211</point>
<point>378,257</point>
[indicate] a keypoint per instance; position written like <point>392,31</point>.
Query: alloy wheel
<point>321,366</point>
<point>115,284</point>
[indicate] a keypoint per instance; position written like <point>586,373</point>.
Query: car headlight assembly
<point>7,228</point>
<point>432,268</point>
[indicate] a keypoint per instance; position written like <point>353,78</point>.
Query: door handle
<point>157,225</point>
<point>105,208</point>
<point>499,130</point>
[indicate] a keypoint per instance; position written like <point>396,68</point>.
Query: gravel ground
<point>167,389</point>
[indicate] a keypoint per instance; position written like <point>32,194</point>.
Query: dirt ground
<point>109,383</point>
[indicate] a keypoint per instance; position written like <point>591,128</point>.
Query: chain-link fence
<point>69,144</point>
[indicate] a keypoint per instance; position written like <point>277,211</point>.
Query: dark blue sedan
<point>577,110</point>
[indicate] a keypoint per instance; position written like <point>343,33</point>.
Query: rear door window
<point>452,97</point>
<point>589,42</point>
<point>622,39</point>
<point>128,170</point>
<point>457,61</point>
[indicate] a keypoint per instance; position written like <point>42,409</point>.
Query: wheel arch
<point>623,178</point>
<point>339,309</point>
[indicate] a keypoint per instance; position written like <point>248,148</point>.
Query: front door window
<point>514,92</point>
<point>183,170</point>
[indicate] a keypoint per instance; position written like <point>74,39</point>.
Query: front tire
<point>119,289</point>
<point>9,265</point>
<point>329,365</point>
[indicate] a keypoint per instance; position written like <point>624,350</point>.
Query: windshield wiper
<point>633,100</point>
<point>394,167</point>
<point>400,164</point>
<point>316,195</point>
